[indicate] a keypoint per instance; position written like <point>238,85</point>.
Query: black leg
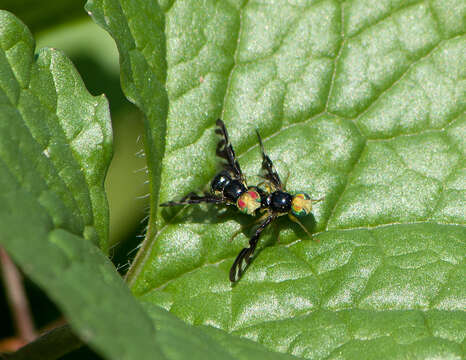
<point>193,198</point>
<point>225,151</point>
<point>246,254</point>
<point>255,222</point>
<point>267,165</point>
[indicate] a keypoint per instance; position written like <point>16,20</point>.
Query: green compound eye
<point>301,205</point>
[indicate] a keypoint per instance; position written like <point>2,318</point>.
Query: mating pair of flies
<point>269,198</point>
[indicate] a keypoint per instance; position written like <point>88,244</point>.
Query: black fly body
<point>269,198</point>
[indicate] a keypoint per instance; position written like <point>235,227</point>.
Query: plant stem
<point>17,299</point>
<point>51,345</point>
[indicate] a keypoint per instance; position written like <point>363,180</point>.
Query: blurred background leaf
<point>45,15</point>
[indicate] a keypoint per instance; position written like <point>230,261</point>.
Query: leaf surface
<point>357,102</point>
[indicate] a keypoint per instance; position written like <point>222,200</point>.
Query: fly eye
<point>301,204</point>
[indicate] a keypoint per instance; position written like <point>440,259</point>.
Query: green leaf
<point>202,342</point>
<point>55,137</point>
<point>53,158</point>
<point>359,102</point>
<point>55,146</point>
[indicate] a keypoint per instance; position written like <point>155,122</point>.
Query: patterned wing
<point>225,151</point>
<point>267,165</point>
<point>193,198</point>
<point>245,255</point>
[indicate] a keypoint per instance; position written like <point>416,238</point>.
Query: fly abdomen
<point>219,182</point>
<point>233,190</point>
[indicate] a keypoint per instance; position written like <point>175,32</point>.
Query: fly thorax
<point>249,202</point>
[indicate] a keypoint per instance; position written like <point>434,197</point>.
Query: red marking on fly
<point>253,194</point>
